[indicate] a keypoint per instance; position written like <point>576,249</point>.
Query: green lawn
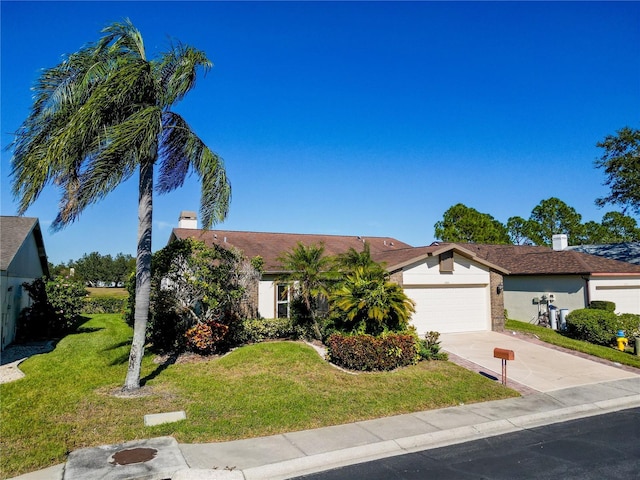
<point>64,404</point>
<point>555,338</point>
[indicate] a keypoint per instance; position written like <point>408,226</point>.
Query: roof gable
<point>13,232</point>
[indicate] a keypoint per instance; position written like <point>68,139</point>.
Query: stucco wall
<point>519,292</point>
<point>427,272</point>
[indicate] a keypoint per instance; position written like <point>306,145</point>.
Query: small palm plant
<point>368,303</point>
<point>310,274</point>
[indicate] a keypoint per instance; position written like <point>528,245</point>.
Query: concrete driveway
<point>535,366</point>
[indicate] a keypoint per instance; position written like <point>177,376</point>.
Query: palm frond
<point>182,152</point>
<point>177,71</point>
<point>122,38</point>
<point>123,147</point>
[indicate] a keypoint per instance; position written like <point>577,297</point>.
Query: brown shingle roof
<point>509,259</point>
<point>271,245</point>
<point>534,260</point>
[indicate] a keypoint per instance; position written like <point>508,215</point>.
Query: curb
<point>350,456</point>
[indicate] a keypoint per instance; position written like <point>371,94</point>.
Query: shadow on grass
<point>123,357</point>
<point>160,368</point>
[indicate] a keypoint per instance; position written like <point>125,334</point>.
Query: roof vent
<point>560,242</point>
<point>188,220</point>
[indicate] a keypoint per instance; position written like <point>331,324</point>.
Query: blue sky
<point>357,118</point>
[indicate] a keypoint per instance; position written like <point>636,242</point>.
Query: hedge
<point>254,330</point>
<point>594,326</point>
<point>368,353</point>
<point>603,305</point>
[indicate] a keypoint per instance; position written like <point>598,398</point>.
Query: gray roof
<point>624,252</point>
<point>13,232</point>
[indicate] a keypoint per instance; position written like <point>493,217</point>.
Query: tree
<point>310,273</point>
<point>370,304</point>
<point>464,224</point>
<point>93,268</point>
<point>615,227</point>
<point>518,229</point>
<point>553,216</point>
<point>97,118</point>
<point>621,164</point>
<point>121,267</point>
<point>348,261</point>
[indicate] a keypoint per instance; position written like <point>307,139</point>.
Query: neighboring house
<point>623,252</point>
<point>22,259</point>
<point>569,278</point>
<point>453,288</point>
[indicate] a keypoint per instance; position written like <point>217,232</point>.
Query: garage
<point>626,297</point>
<point>450,309</point>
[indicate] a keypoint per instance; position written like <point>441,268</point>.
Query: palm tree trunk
<point>143,276</point>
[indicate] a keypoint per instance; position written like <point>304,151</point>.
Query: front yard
<point>66,402</point>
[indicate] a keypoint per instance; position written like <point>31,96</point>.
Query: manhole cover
<point>134,455</point>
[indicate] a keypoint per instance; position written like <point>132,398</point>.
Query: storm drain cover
<point>134,455</point>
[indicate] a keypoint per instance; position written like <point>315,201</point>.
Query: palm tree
<point>370,303</point>
<point>310,270</point>
<point>348,261</point>
<point>97,118</point>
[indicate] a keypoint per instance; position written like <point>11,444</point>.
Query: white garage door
<point>626,297</point>
<point>450,309</point>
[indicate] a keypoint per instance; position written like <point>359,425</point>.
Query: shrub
<point>367,353</point>
<point>206,338</point>
<point>603,305</point>
<point>56,306</point>
<point>429,348</point>
<point>165,328</point>
<point>594,326</point>
<point>254,330</point>
<point>104,305</point>
<point>630,323</point>
<point>192,284</point>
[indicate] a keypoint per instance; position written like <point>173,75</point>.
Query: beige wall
<point>427,272</point>
<point>519,291</point>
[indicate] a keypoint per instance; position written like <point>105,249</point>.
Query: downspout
<point>587,293</point>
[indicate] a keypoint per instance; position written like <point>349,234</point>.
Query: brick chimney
<point>188,220</point>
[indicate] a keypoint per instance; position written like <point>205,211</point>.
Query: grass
<point>116,292</point>
<point>64,402</point>
<point>555,338</point>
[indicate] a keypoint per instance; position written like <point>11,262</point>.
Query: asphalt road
<point>594,448</point>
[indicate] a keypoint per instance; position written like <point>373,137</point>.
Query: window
<point>282,300</point>
<point>446,262</point>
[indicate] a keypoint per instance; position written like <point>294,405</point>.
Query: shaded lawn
<point>64,403</point>
<point>556,338</point>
